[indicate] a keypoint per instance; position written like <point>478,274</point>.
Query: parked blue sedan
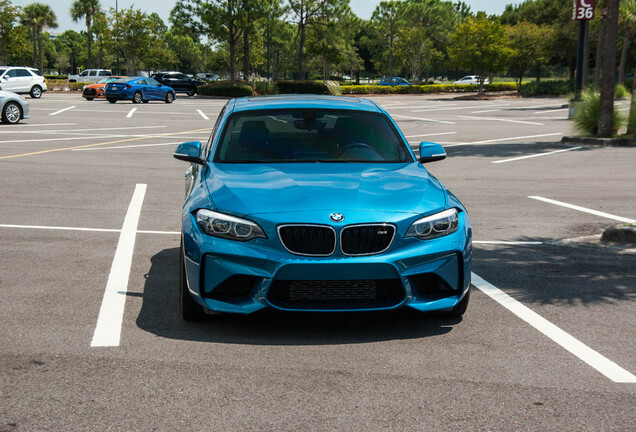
<point>394,81</point>
<point>317,203</point>
<point>138,90</point>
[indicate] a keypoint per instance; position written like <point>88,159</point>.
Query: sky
<point>362,8</point>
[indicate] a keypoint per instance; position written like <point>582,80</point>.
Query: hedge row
<point>309,87</point>
<point>55,77</point>
<point>61,84</point>
<point>225,88</point>
<point>433,88</point>
<point>545,88</point>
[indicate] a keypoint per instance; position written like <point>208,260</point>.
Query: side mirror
<point>189,152</point>
<point>431,152</point>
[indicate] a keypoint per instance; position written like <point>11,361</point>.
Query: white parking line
<point>584,210</point>
<point>62,110</point>
<point>430,134</point>
<point>61,228</point>
<point>502,120</point>
<point>422,119</point>
<point>511,243</point>
<point>127,146</point>
<point>131,112</point>
<point>23,125</point>
<point>203,115</point>
<point>551,111</point>
<point>111,314</point>
<point>565,340</point>
<point>504,139</point>
<point>536,155</point>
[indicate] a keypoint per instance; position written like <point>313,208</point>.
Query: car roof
<point>251,103</point>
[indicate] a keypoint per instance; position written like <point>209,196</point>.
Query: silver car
<point>14,107</point>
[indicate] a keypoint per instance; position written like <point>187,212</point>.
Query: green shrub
<point>55,77</point>
<point>302,87</point>
<point>425,89</point>
<point>620,91</point>
<point>226,89</point>
<point>587,111</point>
<point>547,88</point>
<point>61,84</point>
<point>264,87</point>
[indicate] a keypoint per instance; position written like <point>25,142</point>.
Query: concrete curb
<point>603,142</point>
<point>619,234</point>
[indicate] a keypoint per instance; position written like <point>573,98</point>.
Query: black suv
<point>179,82</point>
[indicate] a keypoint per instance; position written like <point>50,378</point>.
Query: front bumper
<point>230,276</point>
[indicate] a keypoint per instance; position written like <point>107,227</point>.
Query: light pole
<point>117,48</point>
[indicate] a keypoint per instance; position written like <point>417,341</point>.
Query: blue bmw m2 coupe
<point>318,203</point>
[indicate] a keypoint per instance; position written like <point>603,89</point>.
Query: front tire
<point>190,309</point>
<point>11,113</point>
<point>89,99</point>
<point>169,97</point>
<point>137,98</point>
<point>112,100</point>
<point>36,92</point>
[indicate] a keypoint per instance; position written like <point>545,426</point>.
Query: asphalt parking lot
<point>93,340</point>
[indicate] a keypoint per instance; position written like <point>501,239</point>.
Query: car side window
<point>23,73</point>
<point>12,73</point>
<point>151,81</point>
<point>214,133</point>
<point>142,82</point>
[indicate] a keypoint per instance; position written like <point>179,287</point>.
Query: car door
<point>154,88</point>
<point>8,81</point>
<point>175,81</point>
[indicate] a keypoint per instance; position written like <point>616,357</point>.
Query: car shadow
<point>509,150</point>
<point>559,273</point>
<point>160,315</point>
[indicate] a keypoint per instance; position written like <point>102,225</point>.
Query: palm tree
<point>627,17</point>
<point>38,16</point>
<point>86,9</point>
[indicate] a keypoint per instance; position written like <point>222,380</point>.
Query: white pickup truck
<point>90,75</point>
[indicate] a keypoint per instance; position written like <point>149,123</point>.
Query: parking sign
<point>583,10</point>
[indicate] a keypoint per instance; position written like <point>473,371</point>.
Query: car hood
<point>244,189</point>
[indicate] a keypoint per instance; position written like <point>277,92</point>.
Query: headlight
<point>228,227</point>
<point>433,226</point>
<point>83,88</point>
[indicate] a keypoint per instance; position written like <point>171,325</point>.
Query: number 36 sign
<point>583,10</point>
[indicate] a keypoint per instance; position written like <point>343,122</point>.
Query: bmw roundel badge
<point>336,217</point>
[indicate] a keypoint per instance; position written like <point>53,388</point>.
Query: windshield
<point>107,80</point>
<point>310,135</point>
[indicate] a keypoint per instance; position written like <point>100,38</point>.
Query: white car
<point>90,75</point>
<point>469,79</point>
<point>22,80</point>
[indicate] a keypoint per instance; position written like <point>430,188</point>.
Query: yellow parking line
<point>101,144</point>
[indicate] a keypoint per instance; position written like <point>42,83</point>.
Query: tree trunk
<point>89,38</point>
<point>606,109</point>
<point>246,54</point>
<point>585,72</point>
<point>41,69</point>
<point>621,71</point>
<point>391,55</point>
<point>631,125</point>
<point>232,60</point>
<point>101,54</point>
<point>301,60</point>
<point>35,50</point>
<point>599,51</point>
